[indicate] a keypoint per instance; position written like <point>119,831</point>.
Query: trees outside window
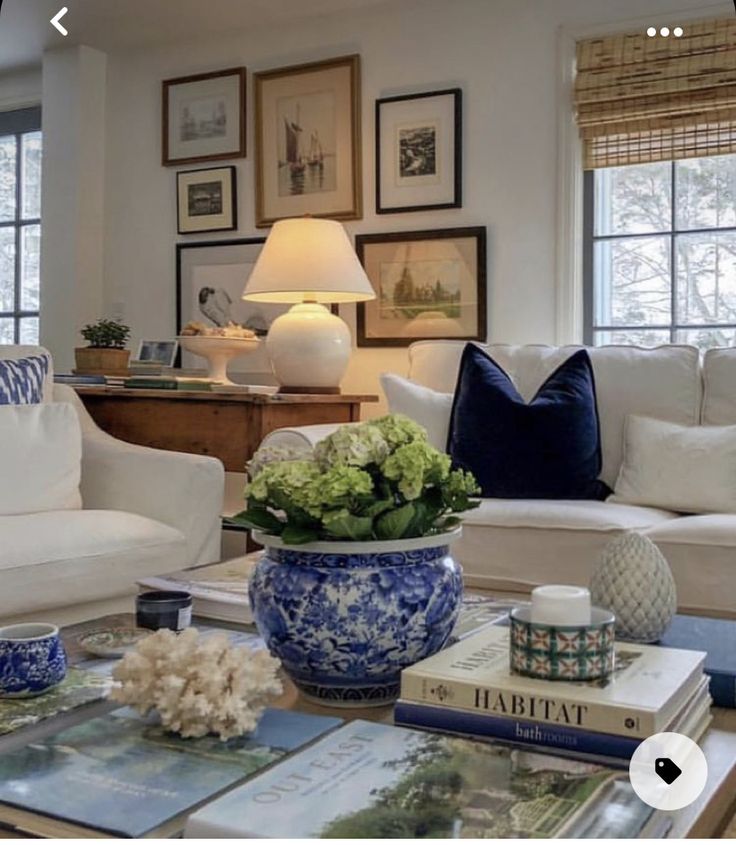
<point>660,253</point>
<point>20,225</point>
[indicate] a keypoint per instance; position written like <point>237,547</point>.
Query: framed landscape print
<point>203,117</point>
<point>308,141</point>
<point>210,278</point>
<point>428,285</point>
<point>207,200</point>
<point>419,152</point>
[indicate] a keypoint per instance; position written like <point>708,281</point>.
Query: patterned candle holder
<point>562,652</point>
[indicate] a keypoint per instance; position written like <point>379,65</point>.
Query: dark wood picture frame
<point>476,232</point>
<point>457,157</point>
<point>233,209</point>
<point>353,63</point>
<point>166,86</point>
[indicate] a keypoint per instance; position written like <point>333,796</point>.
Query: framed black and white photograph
<point>210,278</point>
<point>428,285</point>
<point>419,152</point>
<point>203,117</point>
<point>308,141</point>
<point>207,200</point>
<point>161,352</point>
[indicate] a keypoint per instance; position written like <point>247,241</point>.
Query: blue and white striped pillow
<point>21,380</point>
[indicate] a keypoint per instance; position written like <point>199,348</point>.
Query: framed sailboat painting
<point>308,141</point>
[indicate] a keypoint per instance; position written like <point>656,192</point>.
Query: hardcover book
<point>369,780</point>
<point>717,637</point>
<point>648,687</point>
<point>80,687</point>
<point>692,721</point>
<point>120,775</point>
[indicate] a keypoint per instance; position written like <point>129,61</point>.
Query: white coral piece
<point>198,685</point>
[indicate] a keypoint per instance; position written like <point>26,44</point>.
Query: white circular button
<point>668,771</point>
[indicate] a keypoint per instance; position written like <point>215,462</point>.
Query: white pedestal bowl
<point>218,351</point>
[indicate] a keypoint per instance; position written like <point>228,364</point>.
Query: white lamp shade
<point>307,259</point>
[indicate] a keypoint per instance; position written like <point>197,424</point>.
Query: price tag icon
<point>667,769</point>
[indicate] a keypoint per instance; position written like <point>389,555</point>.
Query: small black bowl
<point>164,609</point>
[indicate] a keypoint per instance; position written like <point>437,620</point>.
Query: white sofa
<point>514,545</point>
<point>145,512</point>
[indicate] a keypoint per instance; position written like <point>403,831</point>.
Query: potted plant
<point>357,580</point>
<point>105,353</point>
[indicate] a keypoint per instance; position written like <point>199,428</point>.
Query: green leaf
<point>348,526</point>
<point>296,535</point>
<point>377,508</point>
<point>260,519</point>
<point>393,524</point>
<point>425,515</point>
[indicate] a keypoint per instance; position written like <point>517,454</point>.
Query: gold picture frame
<point>308,141</point>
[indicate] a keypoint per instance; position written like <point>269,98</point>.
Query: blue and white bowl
<point>345,618</point>
<point>32,659</point>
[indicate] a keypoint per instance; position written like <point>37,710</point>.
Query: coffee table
<point>708,817</point>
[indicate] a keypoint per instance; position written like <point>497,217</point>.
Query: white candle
<point>557,604</point>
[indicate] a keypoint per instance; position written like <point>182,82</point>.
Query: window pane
<point>706,192</point>
<point>7,178</point>
<point>632,337</point>
<point>7,269</point>
<point>634,199</point>
<point>29,330</point>
<point>31,175</point>
<point>29,279</point>
<point>7,330</point>
<point>706,278</point>
<point>707,338</point>
<point>632,282</point>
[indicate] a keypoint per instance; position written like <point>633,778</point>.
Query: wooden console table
<point>227,426</point>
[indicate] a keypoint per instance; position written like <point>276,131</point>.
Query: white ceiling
<point>25,30</point>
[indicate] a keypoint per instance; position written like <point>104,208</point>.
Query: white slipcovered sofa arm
<point>300,437</point>
<point>180,490</point>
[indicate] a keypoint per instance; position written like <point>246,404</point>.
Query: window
<point>20,225</point>
<point>660,253</point>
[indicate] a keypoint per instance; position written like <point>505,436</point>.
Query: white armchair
<point>145,512</point>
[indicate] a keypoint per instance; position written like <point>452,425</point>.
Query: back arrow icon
<point>56,18</point>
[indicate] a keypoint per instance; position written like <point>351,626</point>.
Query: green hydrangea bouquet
<point>379,480</point>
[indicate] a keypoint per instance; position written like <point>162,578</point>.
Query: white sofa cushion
<point>15,353</point>
<point>664,382</point>
<point>40,458</point>
<point>60,558</point>
<point>691,469</point>
<point>719,387</point>
<point>701,551</point>
<point>519,543</point>
<point>428,407</point>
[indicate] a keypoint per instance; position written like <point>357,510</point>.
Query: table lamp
<point>308,262</point>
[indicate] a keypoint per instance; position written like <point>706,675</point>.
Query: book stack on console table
<point>469,689</point>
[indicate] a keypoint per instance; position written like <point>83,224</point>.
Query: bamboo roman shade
<point>641,99</point>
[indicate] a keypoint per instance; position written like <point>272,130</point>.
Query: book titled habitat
<point>125,776</point>
<point>368,780</point>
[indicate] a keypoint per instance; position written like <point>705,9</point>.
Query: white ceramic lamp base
<point>309,348</point>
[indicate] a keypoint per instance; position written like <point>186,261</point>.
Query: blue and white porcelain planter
<point>345,618</point>
<point>32,659</point>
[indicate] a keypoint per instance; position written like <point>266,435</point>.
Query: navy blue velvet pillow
<point>548,449</point>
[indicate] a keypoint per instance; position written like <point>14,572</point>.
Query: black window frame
<point>589,241</point>
<point>19,123</point>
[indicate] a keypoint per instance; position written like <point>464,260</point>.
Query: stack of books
<point>469,690</point>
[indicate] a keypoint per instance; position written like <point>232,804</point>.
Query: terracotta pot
<point>103,362</point>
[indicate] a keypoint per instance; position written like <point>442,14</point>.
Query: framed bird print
<point>210,277</point>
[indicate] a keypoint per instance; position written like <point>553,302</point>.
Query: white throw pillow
<point>40,458</point>
<point>421,404</point>
<point>691,469</point>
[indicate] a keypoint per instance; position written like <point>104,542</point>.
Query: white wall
<point>504,55</point>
